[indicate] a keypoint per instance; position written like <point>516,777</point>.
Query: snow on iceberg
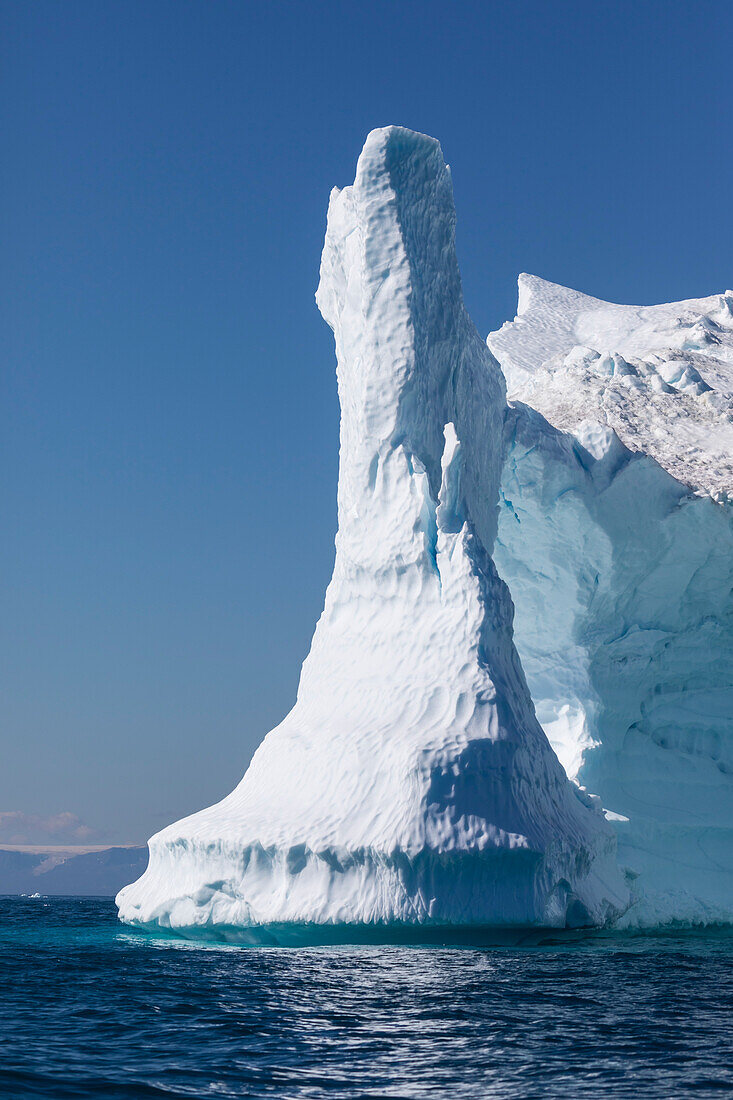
<point>616,540</point>
<point>411,784</point>
<point>661,377</point>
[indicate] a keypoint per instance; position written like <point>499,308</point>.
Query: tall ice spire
<point>411,783</point>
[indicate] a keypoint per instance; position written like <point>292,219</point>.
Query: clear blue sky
<point>169,414</point>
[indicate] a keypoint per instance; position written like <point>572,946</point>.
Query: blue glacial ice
<point>616,540</point>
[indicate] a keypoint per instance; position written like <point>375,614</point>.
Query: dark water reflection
<point>90,1009</point>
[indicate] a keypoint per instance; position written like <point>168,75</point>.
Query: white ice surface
<point>411,782</point>
<point>660,376</point>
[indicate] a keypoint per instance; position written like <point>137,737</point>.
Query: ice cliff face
<point>616,540</point>
<point>411,782</point>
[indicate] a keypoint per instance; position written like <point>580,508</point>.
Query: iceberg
<point>412,785</point>
<point>581,459</point>
<point>616,540</point>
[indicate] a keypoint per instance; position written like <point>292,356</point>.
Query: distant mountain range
<point>68,870</point>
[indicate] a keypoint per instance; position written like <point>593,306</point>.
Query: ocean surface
<point>91,1009</point>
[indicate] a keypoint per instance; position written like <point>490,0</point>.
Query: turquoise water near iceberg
<point>89,1008</point>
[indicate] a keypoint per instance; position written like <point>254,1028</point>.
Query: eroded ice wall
<point>622,574</point>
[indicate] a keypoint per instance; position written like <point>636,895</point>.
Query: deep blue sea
<point>91,1009</point>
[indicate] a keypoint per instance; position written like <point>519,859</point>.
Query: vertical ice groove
<point>411,782</point>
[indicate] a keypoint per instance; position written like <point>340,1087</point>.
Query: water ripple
<point>88,1009</point>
